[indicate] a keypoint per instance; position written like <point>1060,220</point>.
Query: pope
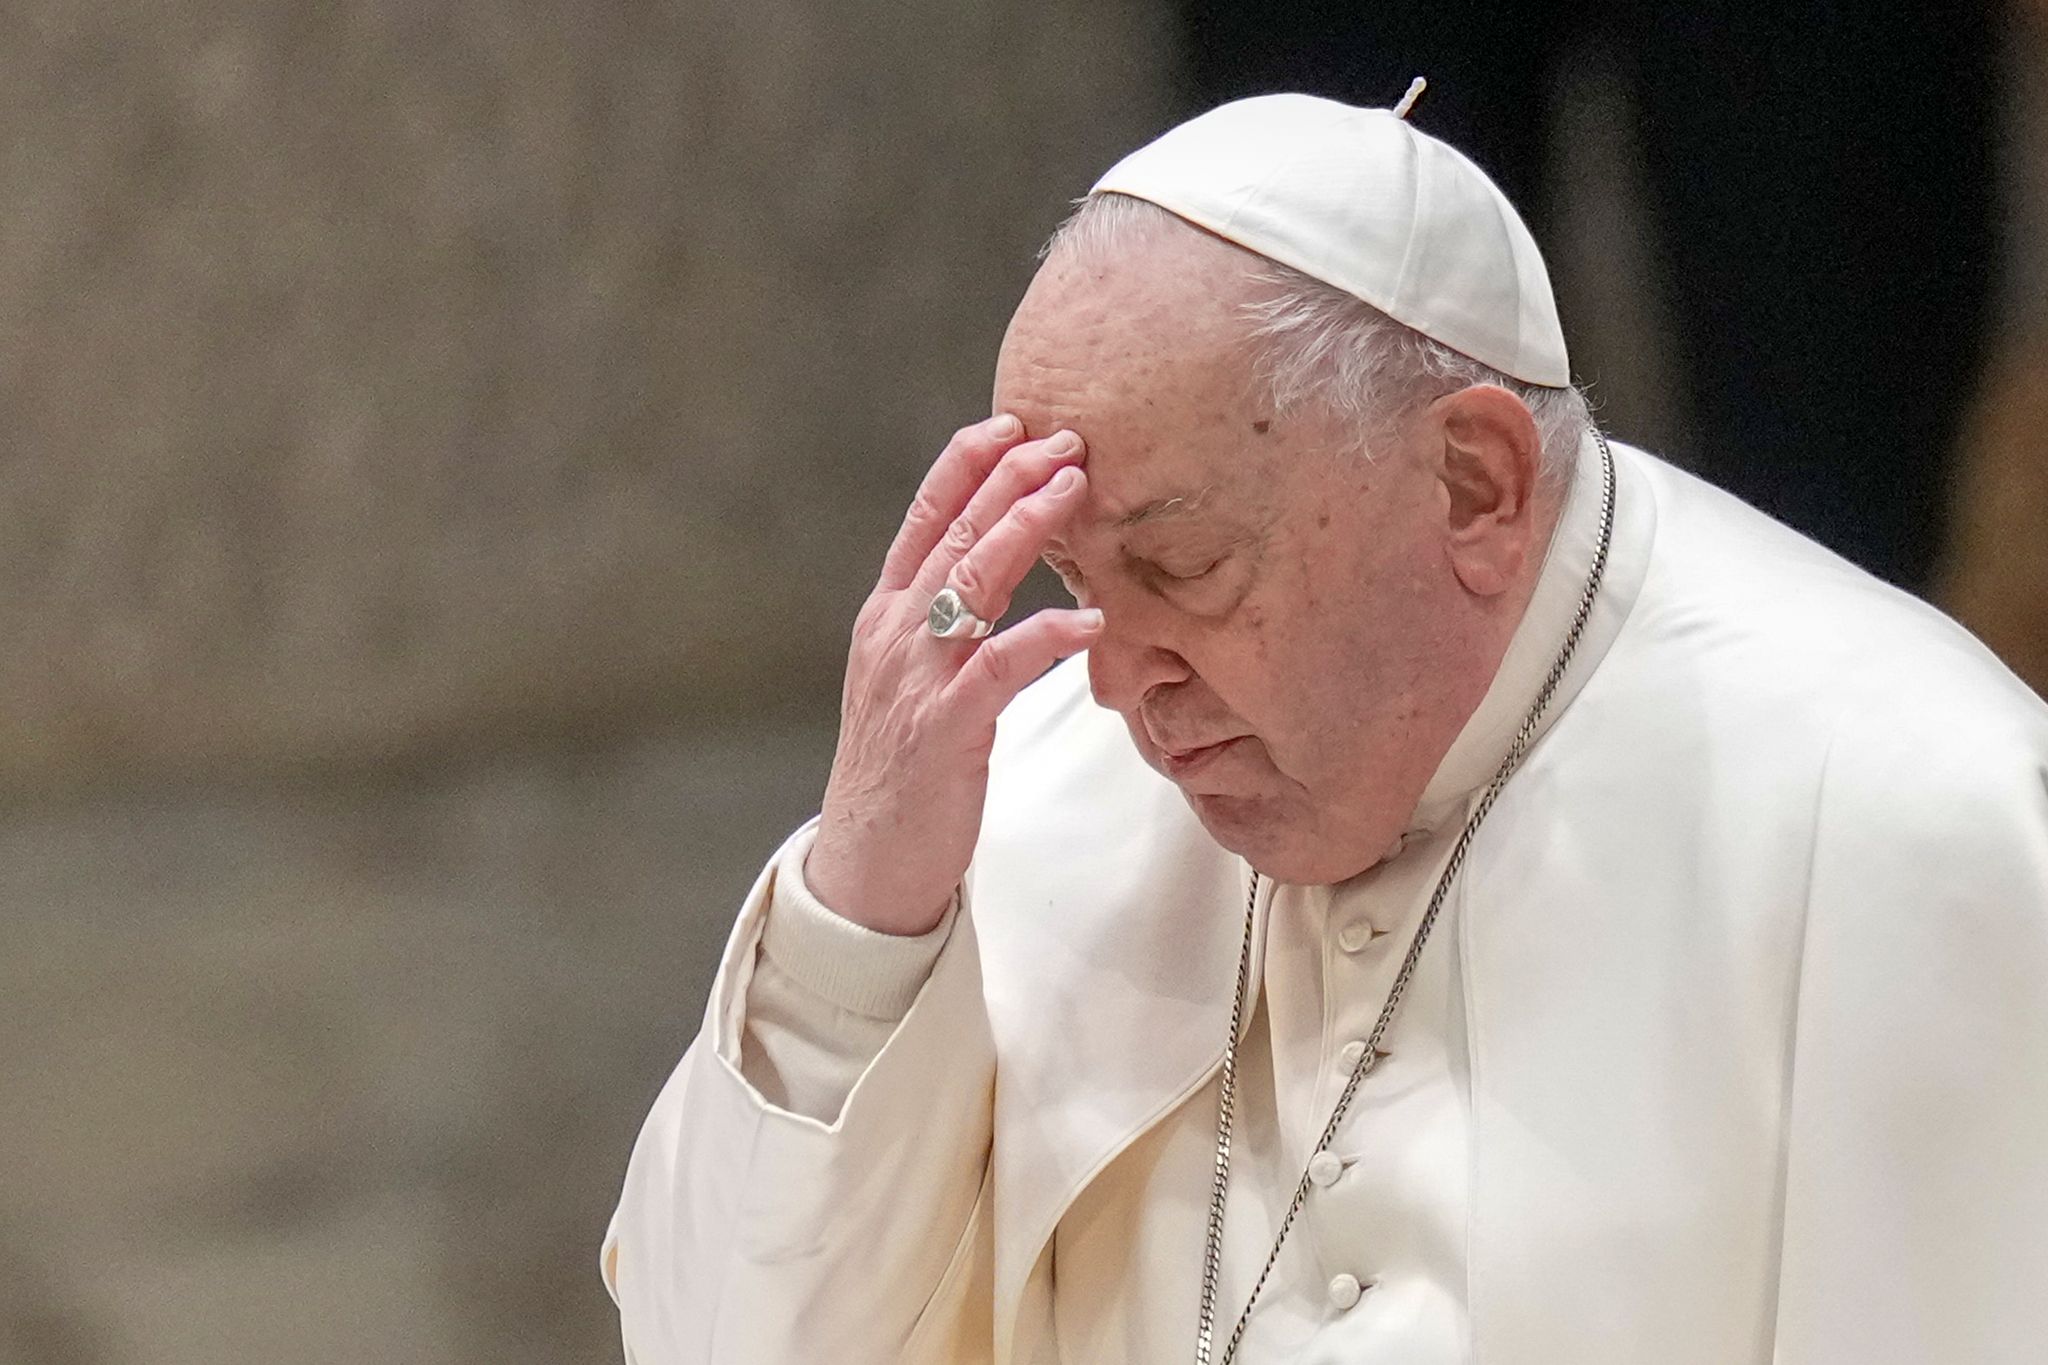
<point>1473,893</point>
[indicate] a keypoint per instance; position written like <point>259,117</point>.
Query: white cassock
<point>1731,1049</point>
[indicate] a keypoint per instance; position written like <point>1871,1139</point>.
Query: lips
<point>1181,764</point>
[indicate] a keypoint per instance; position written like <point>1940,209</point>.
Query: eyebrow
<point>1179,505</point>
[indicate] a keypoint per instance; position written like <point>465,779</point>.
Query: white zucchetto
<point>1360,199</point>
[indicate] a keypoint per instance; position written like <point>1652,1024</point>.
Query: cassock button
<point>1324,1168</point>
<point>1356,935</point>
<point>1344,1292</point>
<point>1351,1052</point>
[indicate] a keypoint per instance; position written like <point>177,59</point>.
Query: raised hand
<point>918,715</point>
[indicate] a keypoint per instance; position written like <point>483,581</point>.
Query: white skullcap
<point>1359,199</point>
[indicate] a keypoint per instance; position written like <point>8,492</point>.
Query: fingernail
<point>1065,481</point>
<point>1063,443</point>
<point>1004,427</point>
<point>1089,619</point>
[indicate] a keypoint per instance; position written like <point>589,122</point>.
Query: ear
<point>1489,459</point>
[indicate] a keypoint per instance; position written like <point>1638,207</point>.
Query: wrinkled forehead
<point>1147,357</point>
<point>1159,302</point>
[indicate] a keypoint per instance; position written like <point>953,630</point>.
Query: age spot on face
<point>1263,425</point>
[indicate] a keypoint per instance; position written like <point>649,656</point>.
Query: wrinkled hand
<point>918,716</point>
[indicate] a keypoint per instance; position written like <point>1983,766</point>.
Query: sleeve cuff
<point>867,973</point>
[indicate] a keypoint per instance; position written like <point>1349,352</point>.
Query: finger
<point>1022,472</point>
<point>962,467</point>
<point>1005,664</point>
<point>989,573</point>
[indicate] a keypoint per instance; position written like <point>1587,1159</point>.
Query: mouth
<point>1183,764</point>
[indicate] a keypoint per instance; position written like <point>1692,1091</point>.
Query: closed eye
<point>1184,577</point>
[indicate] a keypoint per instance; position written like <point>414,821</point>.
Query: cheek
<point>1308,666</point>
<point>1272,668</point>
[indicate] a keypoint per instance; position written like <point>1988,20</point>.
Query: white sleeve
<point>748,1231</point>
<point>1916,1184</point>
<point>826,994</point>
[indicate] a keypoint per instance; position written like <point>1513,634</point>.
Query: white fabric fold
<point>826,993</point>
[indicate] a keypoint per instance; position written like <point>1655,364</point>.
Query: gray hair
<point>1318,344</point>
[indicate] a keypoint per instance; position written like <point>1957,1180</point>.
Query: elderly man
<point>1534,909</point>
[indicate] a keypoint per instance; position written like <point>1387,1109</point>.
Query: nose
<point>1124,667</point>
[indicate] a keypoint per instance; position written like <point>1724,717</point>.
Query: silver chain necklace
<point>1212,1258</point>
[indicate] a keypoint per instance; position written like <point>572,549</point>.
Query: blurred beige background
<point>444,447</point>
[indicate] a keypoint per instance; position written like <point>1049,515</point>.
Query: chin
<point>1277,842</point>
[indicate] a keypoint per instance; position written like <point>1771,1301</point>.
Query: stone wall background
<point>348,1072</point>
<point>379,377</point>
<point>444,445</point>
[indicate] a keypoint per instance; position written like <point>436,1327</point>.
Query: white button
<point>1324,1168</point>
<point>1344,1291</point>
<point>1353,1050</point>
<point>1356,935</point>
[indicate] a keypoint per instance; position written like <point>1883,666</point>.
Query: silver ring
<point>949,618</point>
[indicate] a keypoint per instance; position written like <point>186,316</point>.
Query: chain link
<point>1212,1257</point>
